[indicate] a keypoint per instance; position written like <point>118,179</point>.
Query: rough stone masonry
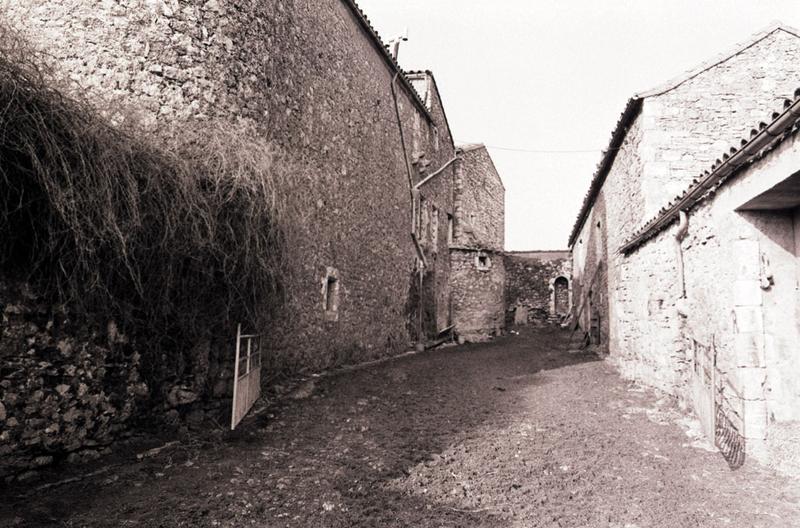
<point>316,81</point>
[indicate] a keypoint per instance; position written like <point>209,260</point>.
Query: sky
<point>542,82</point>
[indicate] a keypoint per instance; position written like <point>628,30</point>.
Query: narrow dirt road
<point>520,432</point>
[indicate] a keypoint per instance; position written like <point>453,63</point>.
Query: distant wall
<point>531,289</point>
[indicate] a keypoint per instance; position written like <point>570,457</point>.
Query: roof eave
<point>627,118</point>
<point>365,24</point>
<point>762,140</point>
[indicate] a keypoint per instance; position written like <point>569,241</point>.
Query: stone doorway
<point>561,296</point>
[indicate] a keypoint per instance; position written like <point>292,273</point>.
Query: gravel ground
<point>520,432</point>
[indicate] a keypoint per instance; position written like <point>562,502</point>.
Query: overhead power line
<point>538,151</point>
<point>546,151</point>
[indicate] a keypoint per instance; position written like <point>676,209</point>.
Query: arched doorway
<point>561,296</point>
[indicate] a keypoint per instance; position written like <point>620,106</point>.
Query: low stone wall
<point>67,390</point>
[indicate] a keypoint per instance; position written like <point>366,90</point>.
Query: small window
<point>330,297</point>
<point>449,230</point>
<point>434,229</point>
<point>483,262</point>
<point>330,294</point>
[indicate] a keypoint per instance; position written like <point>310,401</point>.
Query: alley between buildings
<point>522,431</point>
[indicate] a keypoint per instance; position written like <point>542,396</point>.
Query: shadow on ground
<point>328,460</point>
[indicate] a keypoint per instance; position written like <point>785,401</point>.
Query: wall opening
<point>330,300</point>
<point>483,262</point>
<point>330,294</point>
<point>449,230</point>
<point>561,295</point>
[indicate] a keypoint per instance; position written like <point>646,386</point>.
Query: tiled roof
<point>762,140</point>
<point>387,56</point>
<point>634,105</point>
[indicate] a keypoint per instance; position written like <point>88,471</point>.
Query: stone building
<point>476,248</point>
<point>663,139</point>
<point>662,326</point>
<point>372,163</point>
<point>733,239</point>
<point>538,286</point>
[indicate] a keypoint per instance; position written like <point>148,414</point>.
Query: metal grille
<point>247,375</point>
<point>729,417</point>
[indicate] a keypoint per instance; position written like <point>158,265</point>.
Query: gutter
<point>730,163</point>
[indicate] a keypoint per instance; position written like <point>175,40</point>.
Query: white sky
<point>555,75</point>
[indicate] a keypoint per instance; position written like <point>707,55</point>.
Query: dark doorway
<point>561,295</point>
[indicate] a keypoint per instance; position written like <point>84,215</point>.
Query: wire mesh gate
<point>717,403</point>
<point>246,376</point>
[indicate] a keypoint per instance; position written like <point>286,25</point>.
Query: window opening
<point>483,262</point>
<point>330,301</point>
<point>330,294</point>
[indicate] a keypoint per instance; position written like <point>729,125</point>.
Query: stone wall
<point>652,331</point>
<point>678,133</point>
<point>741,273</point>
<point>682,132</point>
<point>67,389</point>
<point>314,80</point>
<point>531,288</point>
<point>689,127</point>
<point>326,105</point>
<point>477,239</point>
<point>480,201</point>
<point>590,275</point>
<point>478,293</point>
<point>432,148</point>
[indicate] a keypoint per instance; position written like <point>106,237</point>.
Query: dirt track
<point>519,432</point>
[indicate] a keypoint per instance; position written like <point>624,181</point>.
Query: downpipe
<point>414,193</point>
<point>680,234</point>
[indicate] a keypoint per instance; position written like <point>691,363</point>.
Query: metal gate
<point>729,423</point>
<point>246,376</point>
<point>702,384</point>
<point>718,404</point>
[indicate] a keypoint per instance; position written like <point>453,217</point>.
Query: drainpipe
<point>403,141</point>
<point>414,192</point>
<point>683,227</point>
<point>438,172</point>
